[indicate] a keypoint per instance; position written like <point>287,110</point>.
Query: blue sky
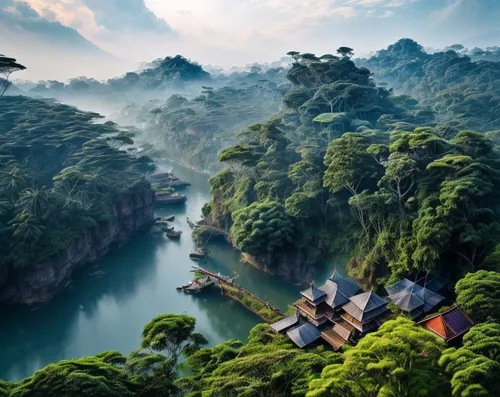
<point>225,32</point>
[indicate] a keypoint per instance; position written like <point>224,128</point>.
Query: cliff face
<point>41,281</point>
<point>294,266</point>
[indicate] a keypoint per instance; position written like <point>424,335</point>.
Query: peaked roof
<point>304,334</point>
<point>286,322</point>
<point>313,294</point>
<point>349,287</point>
<point>336,277</point>
<point>399,286</point>
<point>413,297</point>
<point>407,300</point>
<point>367,301</point>
<point>432,282</point>
<point>334,296</point>
<point>448,325</point>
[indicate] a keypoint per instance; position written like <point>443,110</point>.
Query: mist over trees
<point>391,162</point>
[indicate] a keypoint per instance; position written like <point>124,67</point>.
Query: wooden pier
<point>229,288</point>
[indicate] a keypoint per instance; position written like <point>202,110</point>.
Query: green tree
<point>346,52</point>
<point>172,334</point>
<point>7,67</point>
<point>86,376</point>
<point>400,359</point>
<point>262,228</point>
<point>474,368</point>
<point>268,366</point>
<point>478,294</point>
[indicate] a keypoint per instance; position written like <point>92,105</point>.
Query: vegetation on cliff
<point>61,172</point>
<point>344,162</point>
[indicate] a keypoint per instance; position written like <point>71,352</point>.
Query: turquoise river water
<point>139,282</point>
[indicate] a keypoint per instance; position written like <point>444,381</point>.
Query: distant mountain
<point>37,42</point>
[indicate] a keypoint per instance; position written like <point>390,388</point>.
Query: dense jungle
<point>390,162</point>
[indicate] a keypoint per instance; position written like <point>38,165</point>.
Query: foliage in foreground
<point>147,372</point>
<point>474,368</point>
<point>478,294</point>
<point>400,359</point>
<point>268,366</point>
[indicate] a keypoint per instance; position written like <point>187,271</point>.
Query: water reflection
<point>139,281</point>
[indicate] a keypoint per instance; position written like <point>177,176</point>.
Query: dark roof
<point>339,289</point>
<point>431,299</point>
<point>334,296</point>
<point>413,298</point>
<point>286,322</point>
<point>407,300</point>
<point>399,286</point>
<point>349,287</point>
<point>368,301</point>
<point>448,325</point>
<point>313,294</point>
<point>304,334</point>
<point>432,282</point>
<point>336,277</point>
<point>363,316</point>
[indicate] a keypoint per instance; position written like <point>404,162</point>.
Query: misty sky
<point>237,32</point>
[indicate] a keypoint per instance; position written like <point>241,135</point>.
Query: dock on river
<point>228,287</point>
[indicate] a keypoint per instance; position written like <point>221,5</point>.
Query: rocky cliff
<point>294,266</point>
<point>41,281</point>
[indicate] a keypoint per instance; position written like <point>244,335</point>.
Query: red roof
<point>448,325</point>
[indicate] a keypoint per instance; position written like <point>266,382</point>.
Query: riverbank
<point>138,282</point>
<point>41,281</point>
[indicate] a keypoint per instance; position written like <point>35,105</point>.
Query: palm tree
<point>34,200</point>
<point>27,228</point>
<point>12,182</point>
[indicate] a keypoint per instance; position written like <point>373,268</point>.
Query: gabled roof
<point>448,325</point>
<point>344,333</point>
<point>407,300</point>
<point>432,282</point>
<point>339,289</point>
<point>334,297</point>
<point>399,286</point>
<point>368,301</point>
<point>431,299</point>
<point>304,334</point>
<point>413,298</point>
<point>286,322</point>
<point>313,294</point>
<point>336,277</point>
<point>362,316</point>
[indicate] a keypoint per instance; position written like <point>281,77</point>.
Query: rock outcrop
<point>41,281</point>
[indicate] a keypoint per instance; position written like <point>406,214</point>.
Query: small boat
<point>196,286</point>
<point>173,233</point>
<point>170,198</point>
<point>162,220</point>
<point>198,254</point>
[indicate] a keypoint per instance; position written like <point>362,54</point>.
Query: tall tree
<point>399,360</point>
<point>7,67</point>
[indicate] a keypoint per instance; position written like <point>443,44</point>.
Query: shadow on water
<point>34,336</point>
<point>139,282</point>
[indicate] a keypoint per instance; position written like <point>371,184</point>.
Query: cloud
<point>444,13</point>
<point>117,15</point>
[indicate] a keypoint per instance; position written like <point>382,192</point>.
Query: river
<point>139,282</point>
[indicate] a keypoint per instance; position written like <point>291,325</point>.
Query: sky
<point>238,32</point>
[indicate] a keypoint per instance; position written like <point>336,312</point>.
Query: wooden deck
<point>229,282</point>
